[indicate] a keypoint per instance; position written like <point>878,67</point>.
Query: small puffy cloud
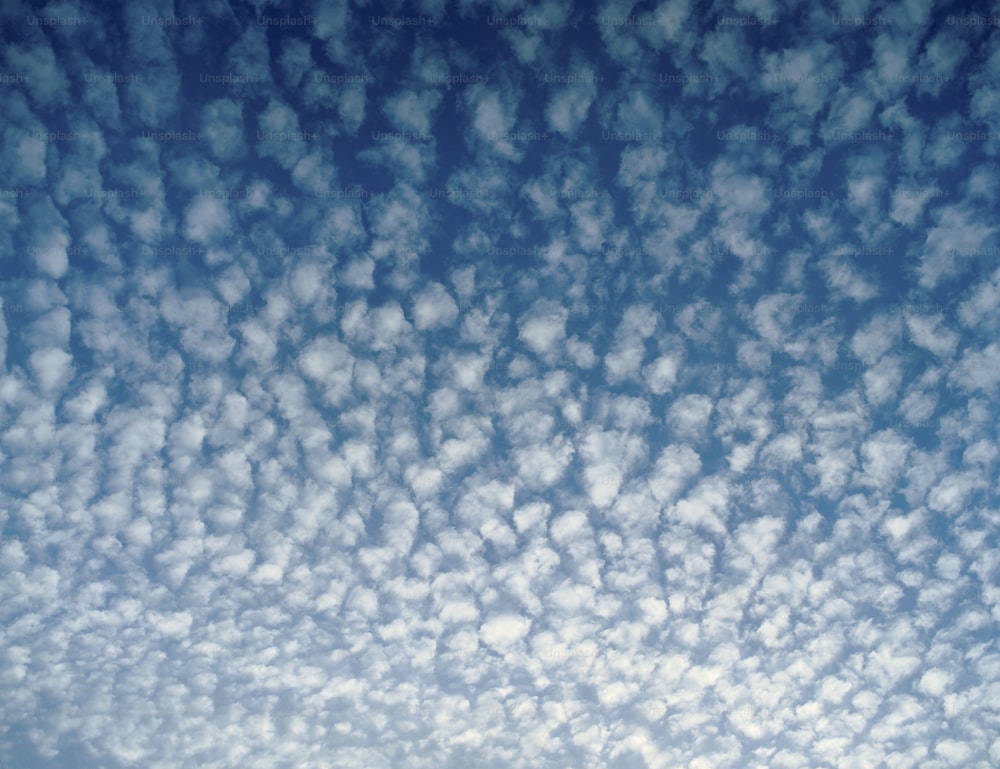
<point>930,332</point>
<point>935,682</point>
<point>50,242</point>
<point>979,309</point>
<point>581,352</point>
<point>280,136</point>
<point>978,369</point>
<point>172,624</point>
<point>493,119</point>
<point>504,631</point>
<point>883,380</point>
<point>87,402</point>
<point>53,369</point>
<point>675,468</point>
<point>267,574</point>
<point>329,363</point>
<point>689,415</point>
<point>844,279</point>
<point>222,126</point>
<point>908,204</point>
<point>543,465</point>
<point>704,507</point>
<point>434,308</point>
<point>957,230</point>
<point>359,273</point>
<point>543,327</point>
<point>307,282</point>
<point>638,111</point>
<point>235,564</point>
<point>412,110</point>
<point>804,74</point>
<point>201,319</point>
<point>49,85</point>
<point>569,527</point>
<point>603,483</point>
<point>206,220</point>
<point>568,107</point>
<point>876,338</point>
<point>884,457</point>
<point>739,194</point>
<point>661,374</point>
<point>388,324</point>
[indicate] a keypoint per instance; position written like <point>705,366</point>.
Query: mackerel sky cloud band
<point>528,385</point>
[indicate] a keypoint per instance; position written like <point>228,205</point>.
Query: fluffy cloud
<point>510,399</point>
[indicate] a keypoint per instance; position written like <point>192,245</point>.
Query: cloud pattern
<point>522,385</point>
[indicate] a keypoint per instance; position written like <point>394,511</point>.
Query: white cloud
<point>978,369</point>
<point>543,327</point>
<point>504,631</point>
<point>434,308</point>
<point>493,120</point>
<point>603,482</point>
<point>330,364</point>
<point>689,415</point>
<point>412,111</point>
<point>926,332</point>
<point>675,468</point>
<point>846,280</point>
<point>50,244</point>
<point>568,107</point>
<point>206,220</point>
<point>53,368</point>
<point>39,66</point>
<point>935,682</point>
<point>295,451</point>
<point>222,125</point>
<point>661,374</point>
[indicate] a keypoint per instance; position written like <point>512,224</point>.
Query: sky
<point>591,386</point>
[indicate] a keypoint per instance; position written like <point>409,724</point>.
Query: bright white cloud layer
<point>518,386</point>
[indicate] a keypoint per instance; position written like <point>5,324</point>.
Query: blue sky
<point>513,385</point>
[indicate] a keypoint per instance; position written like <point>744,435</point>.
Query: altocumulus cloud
<point>431,386</point>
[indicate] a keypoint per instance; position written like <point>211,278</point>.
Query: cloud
<point>50,241</point>
<point>493,119</point>
<point>976,369</point>
<point>52,368</point>
<point>38,63</point>
<point>615,387</point>
<point>675,468</point>
<point>544,327</point>
<point>434,308</point>
<point>568,107</point>
<point>206,220</point>
<point>222,125</point>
